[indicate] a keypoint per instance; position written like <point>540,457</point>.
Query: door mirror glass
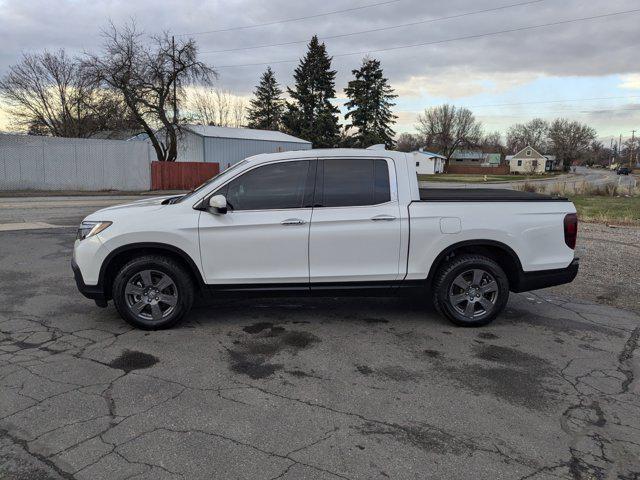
<point>218,204</point>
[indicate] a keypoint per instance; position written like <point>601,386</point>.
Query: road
<point>303,388</point>
<point>598,177</point>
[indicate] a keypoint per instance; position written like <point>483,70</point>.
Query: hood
<point>154,203</point>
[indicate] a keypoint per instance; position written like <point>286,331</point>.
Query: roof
<point>243,133</point>
<point>430,154</point>
<point>467,154</point>
<point>528,147</point>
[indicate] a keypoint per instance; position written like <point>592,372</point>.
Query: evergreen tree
<point>370,101</point>
<point>267,106</point>
<point>311,115</point>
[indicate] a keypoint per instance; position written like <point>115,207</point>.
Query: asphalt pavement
<point>303,388</point>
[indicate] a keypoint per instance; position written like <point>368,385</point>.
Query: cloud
<point>631,81</point>
<point>461,83</point>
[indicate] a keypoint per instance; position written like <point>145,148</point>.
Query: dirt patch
<point>254,366</point>
<point>488,336</point>
<point>432,353</point>
<point>252,356</point>
<point>131,360</point>
<point>375,320</point>
<point>364,370</point>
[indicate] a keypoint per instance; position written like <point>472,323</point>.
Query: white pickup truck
<point>325,222</point>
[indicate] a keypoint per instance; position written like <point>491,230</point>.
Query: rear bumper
<point>94,292</point>
<point>547,278</point>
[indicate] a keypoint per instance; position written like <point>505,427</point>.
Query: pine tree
<point>310,114</point>
<point>267,106</point>
<point>370,101</point>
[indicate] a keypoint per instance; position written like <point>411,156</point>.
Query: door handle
<point>293,221</point>
<point>383,218</point>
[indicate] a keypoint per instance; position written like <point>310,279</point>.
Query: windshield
<point>210,181</point>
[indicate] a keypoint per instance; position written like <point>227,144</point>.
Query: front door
<point>355,228</point>
<point>264,236</point>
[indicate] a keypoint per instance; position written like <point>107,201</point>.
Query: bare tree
<point>151,77</point>
<point>408,142</point>
<point>47,94</point>
<point>447,128</point>
<point>570,140</point>
<point>214,106</point>
<point>492,142</point>
<point>534,133</point>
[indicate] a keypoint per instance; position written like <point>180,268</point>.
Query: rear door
<point>355,226</point>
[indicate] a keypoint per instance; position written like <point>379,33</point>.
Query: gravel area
<point>609,267</point>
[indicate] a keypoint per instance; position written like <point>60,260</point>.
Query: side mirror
<point>218,204</point>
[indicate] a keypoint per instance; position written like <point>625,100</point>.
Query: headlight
<point>89,229</point>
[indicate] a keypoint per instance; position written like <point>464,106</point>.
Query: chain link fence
<point>52,163</point>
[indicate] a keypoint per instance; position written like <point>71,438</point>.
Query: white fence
<point>52,163</point>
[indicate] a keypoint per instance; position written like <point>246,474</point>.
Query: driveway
<point>307,388</point>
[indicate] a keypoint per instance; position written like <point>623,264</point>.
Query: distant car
<point>623,171</point>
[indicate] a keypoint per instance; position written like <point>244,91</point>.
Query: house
<point>428,163</point>
<point>475,158</point>
<point>529,160</point>
<point>227,145</point>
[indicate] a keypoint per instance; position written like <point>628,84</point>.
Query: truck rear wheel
<point>153,292</point>
<point>470,290</point>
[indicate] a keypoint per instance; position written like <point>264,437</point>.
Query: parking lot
<point>302,388</point>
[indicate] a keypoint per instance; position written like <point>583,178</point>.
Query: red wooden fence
<point>181,175</point>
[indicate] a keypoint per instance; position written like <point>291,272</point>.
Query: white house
<point>529,160</point>
<point>428,163</point>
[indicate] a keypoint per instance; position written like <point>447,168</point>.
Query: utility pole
<point>611,150</point>
<point>632,154</point>
<point>175,80</point>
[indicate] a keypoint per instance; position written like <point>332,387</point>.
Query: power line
<point>373,30</point>
<point>436,42</point>
<point>289,20</point>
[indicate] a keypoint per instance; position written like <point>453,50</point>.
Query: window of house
<point>353,182</point>
<point>417,164</point>
<point>519,163</point>
<point>535,163</point>
<point>528,153</point>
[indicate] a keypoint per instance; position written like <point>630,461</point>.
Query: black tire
<point>179,293</point>
<point>486,302</point>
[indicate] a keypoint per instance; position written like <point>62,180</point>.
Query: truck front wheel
<point>153,292</point>
<point>470,290</point>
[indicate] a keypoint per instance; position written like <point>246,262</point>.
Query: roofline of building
<point>297,140</point>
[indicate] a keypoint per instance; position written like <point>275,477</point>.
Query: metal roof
<point>243,133</point>
<point>430,154</point>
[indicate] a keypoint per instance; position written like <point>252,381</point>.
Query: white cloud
<point>461,83</point>
<point>630,81</point>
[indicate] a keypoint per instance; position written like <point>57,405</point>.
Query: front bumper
<point>546,278</point>
<point>94,292</point>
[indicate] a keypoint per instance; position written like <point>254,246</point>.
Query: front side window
<point>270,187</point>
<point>353,182</point>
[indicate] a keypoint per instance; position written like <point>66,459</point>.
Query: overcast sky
<point>503,78</point>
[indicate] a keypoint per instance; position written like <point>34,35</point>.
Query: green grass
<point>614,210</point>
<point>466,178</point>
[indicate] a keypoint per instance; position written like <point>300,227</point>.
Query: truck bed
<point>484,195</point>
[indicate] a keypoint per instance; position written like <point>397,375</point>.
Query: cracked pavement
<point>307,388</point>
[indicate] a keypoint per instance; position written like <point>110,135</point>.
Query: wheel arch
<point>122,255</point>
<point>501,253</point>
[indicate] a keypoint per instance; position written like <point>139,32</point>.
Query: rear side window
<point>353,182</point>
<point>270,187</point>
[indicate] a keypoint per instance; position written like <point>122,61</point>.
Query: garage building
<point>227,146</point>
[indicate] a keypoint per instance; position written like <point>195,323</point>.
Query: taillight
<point>570,230</point>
